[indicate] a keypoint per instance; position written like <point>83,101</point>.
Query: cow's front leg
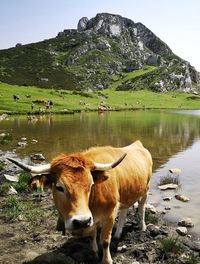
<point>120,223</point>
<point>93,241</point>
<point>106,238</point>
<point>60,225</point>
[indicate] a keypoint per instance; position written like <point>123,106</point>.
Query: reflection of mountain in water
<point>163,133</point>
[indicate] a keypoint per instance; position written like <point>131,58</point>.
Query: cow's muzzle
<point>82,223</point>
<point>79,222</point>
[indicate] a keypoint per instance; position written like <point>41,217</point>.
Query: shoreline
<point>71,112</point>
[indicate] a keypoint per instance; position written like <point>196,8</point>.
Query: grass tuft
<point>192,258</point>
<point>171,245</point>
<point>13,207</point>
<point>1,165</point>
<point>169,179</point>
<point>22,184</point>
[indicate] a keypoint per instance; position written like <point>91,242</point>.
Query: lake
<point>173,138</point>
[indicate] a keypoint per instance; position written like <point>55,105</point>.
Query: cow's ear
<point>99,176</point>
<point>40,182</point>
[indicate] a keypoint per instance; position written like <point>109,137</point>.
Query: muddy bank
<point>28,234</point>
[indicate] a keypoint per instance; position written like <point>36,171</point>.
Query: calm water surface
<point>173,138</point>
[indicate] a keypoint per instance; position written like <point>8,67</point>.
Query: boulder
<point>82,24</point>
<point>186,222</point>
<point>168,186</point>
<point>182,198</point>
<point>181,231</point>
<point>153,230</point>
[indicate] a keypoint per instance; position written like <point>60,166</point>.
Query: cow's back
<point>127,182</point>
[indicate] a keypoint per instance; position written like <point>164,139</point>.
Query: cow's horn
<point>104,167</point>
<point>33,169</point>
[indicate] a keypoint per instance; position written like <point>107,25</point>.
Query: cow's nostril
<point>81,223</point>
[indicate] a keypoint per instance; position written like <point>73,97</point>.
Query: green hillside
<point>65,101</point>
<point>106,51</point>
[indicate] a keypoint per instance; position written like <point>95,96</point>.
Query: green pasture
<point>65,100</point>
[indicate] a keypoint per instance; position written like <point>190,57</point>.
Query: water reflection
<point>164,133</point>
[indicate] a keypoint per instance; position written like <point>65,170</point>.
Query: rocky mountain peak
<point>115,26</point>
<point>106,24</point>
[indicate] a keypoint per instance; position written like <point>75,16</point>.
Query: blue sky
<point>176,22</point>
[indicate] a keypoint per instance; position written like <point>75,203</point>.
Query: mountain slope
<point>102,50</point>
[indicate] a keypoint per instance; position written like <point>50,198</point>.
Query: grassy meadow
<point>66,101</point>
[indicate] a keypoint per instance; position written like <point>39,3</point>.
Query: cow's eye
<point>60,188</point>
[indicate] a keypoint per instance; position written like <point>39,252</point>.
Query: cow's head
<point>70,177</point>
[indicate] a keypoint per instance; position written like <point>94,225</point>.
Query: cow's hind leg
<point>141,210</point>
<point>120,223</point>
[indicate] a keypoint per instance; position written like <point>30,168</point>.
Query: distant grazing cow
<point>90,187</point>
<point>40,101</point>
<point>15,97</point>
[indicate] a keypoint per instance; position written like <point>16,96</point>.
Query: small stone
<point>21,218</point>
<point>164,230</point>
<point>153,229</point>
<point>11,191</point>
<point>182,198</point>
<point>175,170</point>
<point>11,178</point>
<point>34,140</point>
<point>168,186</point>
<point>21,144</point>
<point>37,156</point>
<point>167,208</point>
<point>168,198</point>
<point>181,231</point>
<point>23,139</point>
<point>151,208</point>
<point>122,248</point>
<point>187,222</point>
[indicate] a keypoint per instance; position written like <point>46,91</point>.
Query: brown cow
<point>87,193</point>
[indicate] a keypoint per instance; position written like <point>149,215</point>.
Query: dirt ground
<point>38,242</point>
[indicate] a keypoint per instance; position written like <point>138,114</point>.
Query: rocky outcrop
<point>152,41</point>
<point>114,26</point>
<point>82,24</point>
